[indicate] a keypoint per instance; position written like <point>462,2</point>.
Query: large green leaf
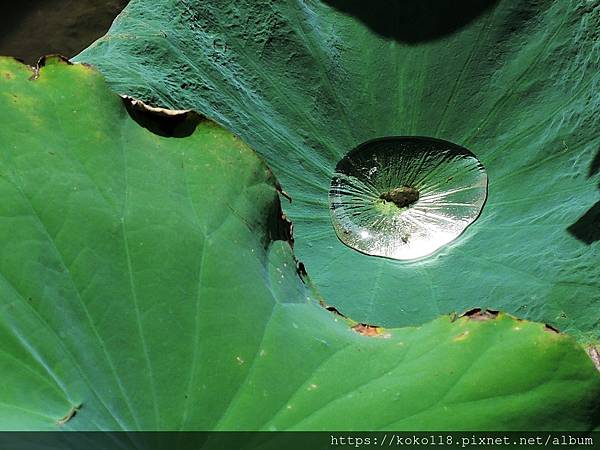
<point>305,81</point>
<point>141,288</point>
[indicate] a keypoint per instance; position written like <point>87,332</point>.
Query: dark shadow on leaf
<point>587,228</point>
<point>413,21</point>
<point>595,166</point>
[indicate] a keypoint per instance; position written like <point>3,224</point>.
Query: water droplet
<point>405,197</point>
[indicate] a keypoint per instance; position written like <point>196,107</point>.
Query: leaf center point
<point>402,197</point>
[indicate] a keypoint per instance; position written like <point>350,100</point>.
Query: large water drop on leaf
<point>405,197</point>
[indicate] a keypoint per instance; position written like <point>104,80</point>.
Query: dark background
<point>30,29</point>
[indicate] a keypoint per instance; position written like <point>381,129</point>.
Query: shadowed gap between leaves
<point>479,314</point>
<point>280,227</point>
<point>162,122</point>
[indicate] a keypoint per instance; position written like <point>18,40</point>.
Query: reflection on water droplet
<point>405,197</point>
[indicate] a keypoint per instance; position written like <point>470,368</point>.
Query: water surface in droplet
<point>405,197</point>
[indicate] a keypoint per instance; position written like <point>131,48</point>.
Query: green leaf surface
<point>141,288</point>
<point>304,82</point>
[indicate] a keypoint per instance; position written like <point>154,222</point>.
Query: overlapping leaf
<point>141,288</point>
<point>304,82</point>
